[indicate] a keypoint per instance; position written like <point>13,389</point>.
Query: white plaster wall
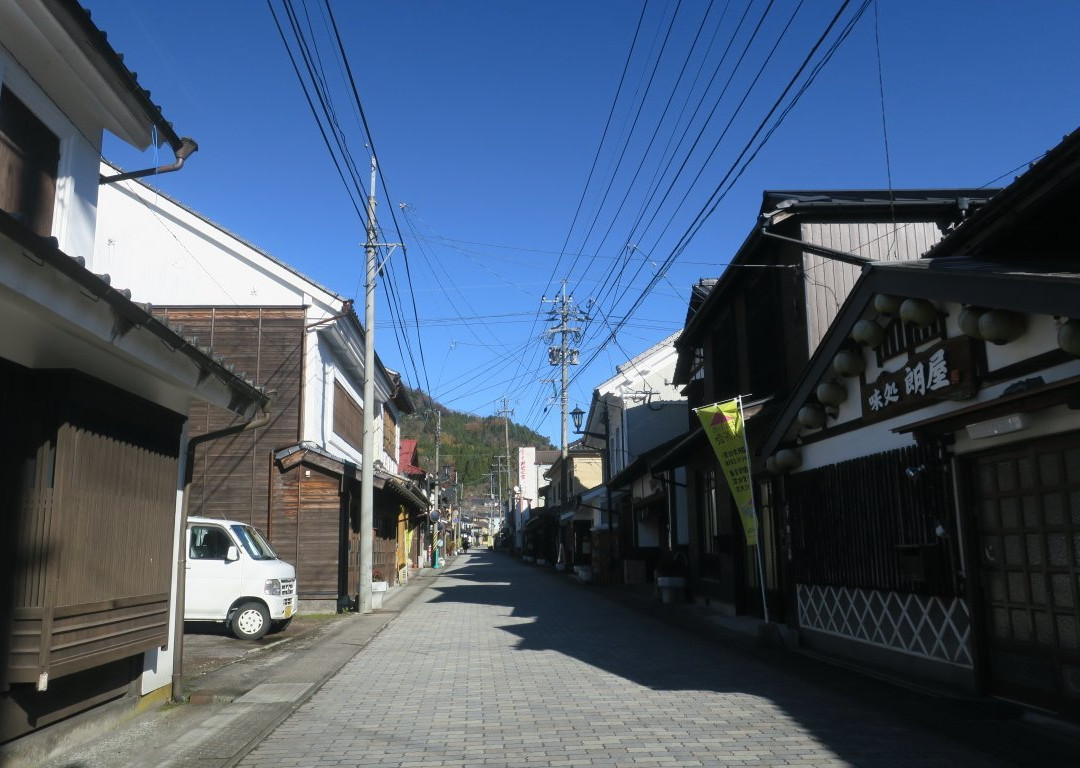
<point>527,483</point>
<point>639,383</point>
<point>75,206</point>
<point>648,428</point>
<point>166,254</point>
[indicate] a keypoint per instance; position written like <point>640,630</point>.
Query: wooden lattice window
<point>348,418</point>
<point>903,338</point>
<point>389,432</point>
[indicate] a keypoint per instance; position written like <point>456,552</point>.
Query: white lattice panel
<point>923,626</point>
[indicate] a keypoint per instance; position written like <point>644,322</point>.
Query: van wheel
<point>251,621</point>
<point>279,626</point>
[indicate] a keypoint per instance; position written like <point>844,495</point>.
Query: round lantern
<point>849,362</point>
<point>1000,326</point>
<point>788,459</point>
<point>811,417</point>
<point>968,320</point>
<point>1069,337</point>
<point>918,312</point>
<point>887,305</point>
<point>831,393</point>
<point>868,332</point>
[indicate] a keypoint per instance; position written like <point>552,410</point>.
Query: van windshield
<point>253,542</point>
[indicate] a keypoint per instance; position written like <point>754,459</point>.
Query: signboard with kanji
<point>944,371</point>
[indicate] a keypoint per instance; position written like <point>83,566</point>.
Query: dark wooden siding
<point>306,529</point>
<point>320,532</point>
<point>97,484</point>
<point>865,523</point>
<point>232,475</point>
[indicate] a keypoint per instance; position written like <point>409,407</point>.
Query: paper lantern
<point>849,362</point>
<point>811,416</point>
<point>788,459</point>
<point>918,312</point>
<point>1069,337</point>
<point>831,393</point>
<point>1000,326</point>
<point>968,321</point>
<point>887,305</point>
<point>868,332</point>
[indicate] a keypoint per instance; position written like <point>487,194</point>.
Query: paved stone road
<point>500,664</point>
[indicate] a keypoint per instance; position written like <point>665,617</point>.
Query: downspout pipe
<point>181,553</point>
<point>187,148</point>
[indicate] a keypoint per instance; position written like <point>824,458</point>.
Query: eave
<point>69,317</point>
<point>56,42</point>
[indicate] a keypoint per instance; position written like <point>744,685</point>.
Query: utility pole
<point>564,355</point>
<point>367,460</point>
<point>506,412</point>
<point>438,491</point>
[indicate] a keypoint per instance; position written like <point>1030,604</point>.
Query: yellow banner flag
<point>723,423</point>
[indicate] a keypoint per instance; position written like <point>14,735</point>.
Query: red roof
<point>407,459</point>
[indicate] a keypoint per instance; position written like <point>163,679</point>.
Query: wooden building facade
<point>935,508</point>
<point>303,497</point>
<point>752,335</point>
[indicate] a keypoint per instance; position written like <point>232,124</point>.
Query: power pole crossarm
<point>564,355</point>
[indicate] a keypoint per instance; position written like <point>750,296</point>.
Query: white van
<point>233,576</point>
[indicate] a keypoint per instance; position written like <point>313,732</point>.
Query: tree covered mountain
<point>469,443</point>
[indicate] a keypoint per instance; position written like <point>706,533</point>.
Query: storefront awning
<point>314,455</point>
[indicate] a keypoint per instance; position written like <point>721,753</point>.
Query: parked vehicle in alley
<point>234,576</point>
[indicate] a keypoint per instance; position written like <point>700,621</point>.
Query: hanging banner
<point>723,423</point>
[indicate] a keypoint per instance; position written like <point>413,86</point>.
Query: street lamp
<point>576,415</point>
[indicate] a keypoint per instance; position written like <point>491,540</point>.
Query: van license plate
<point>288,611</point>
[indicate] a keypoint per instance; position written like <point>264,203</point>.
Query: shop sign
<point>944,371</point>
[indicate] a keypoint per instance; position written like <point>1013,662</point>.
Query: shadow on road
<point>852,714</point>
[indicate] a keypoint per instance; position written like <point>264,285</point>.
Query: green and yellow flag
<point>723,423</point>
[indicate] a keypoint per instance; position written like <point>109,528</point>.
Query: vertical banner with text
<point>723,423</point>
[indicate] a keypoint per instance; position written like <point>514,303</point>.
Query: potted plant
<point>378,588</point>
<point>671,579</point>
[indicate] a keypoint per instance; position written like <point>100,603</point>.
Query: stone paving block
<point>500,664</point>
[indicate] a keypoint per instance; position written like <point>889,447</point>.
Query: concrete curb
<point>228,710</point>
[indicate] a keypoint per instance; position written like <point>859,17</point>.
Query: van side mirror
<point>233,554</point>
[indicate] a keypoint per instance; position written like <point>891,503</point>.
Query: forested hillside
<point>469,443</point>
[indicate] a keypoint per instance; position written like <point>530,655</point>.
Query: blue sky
<point>489,116</point>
